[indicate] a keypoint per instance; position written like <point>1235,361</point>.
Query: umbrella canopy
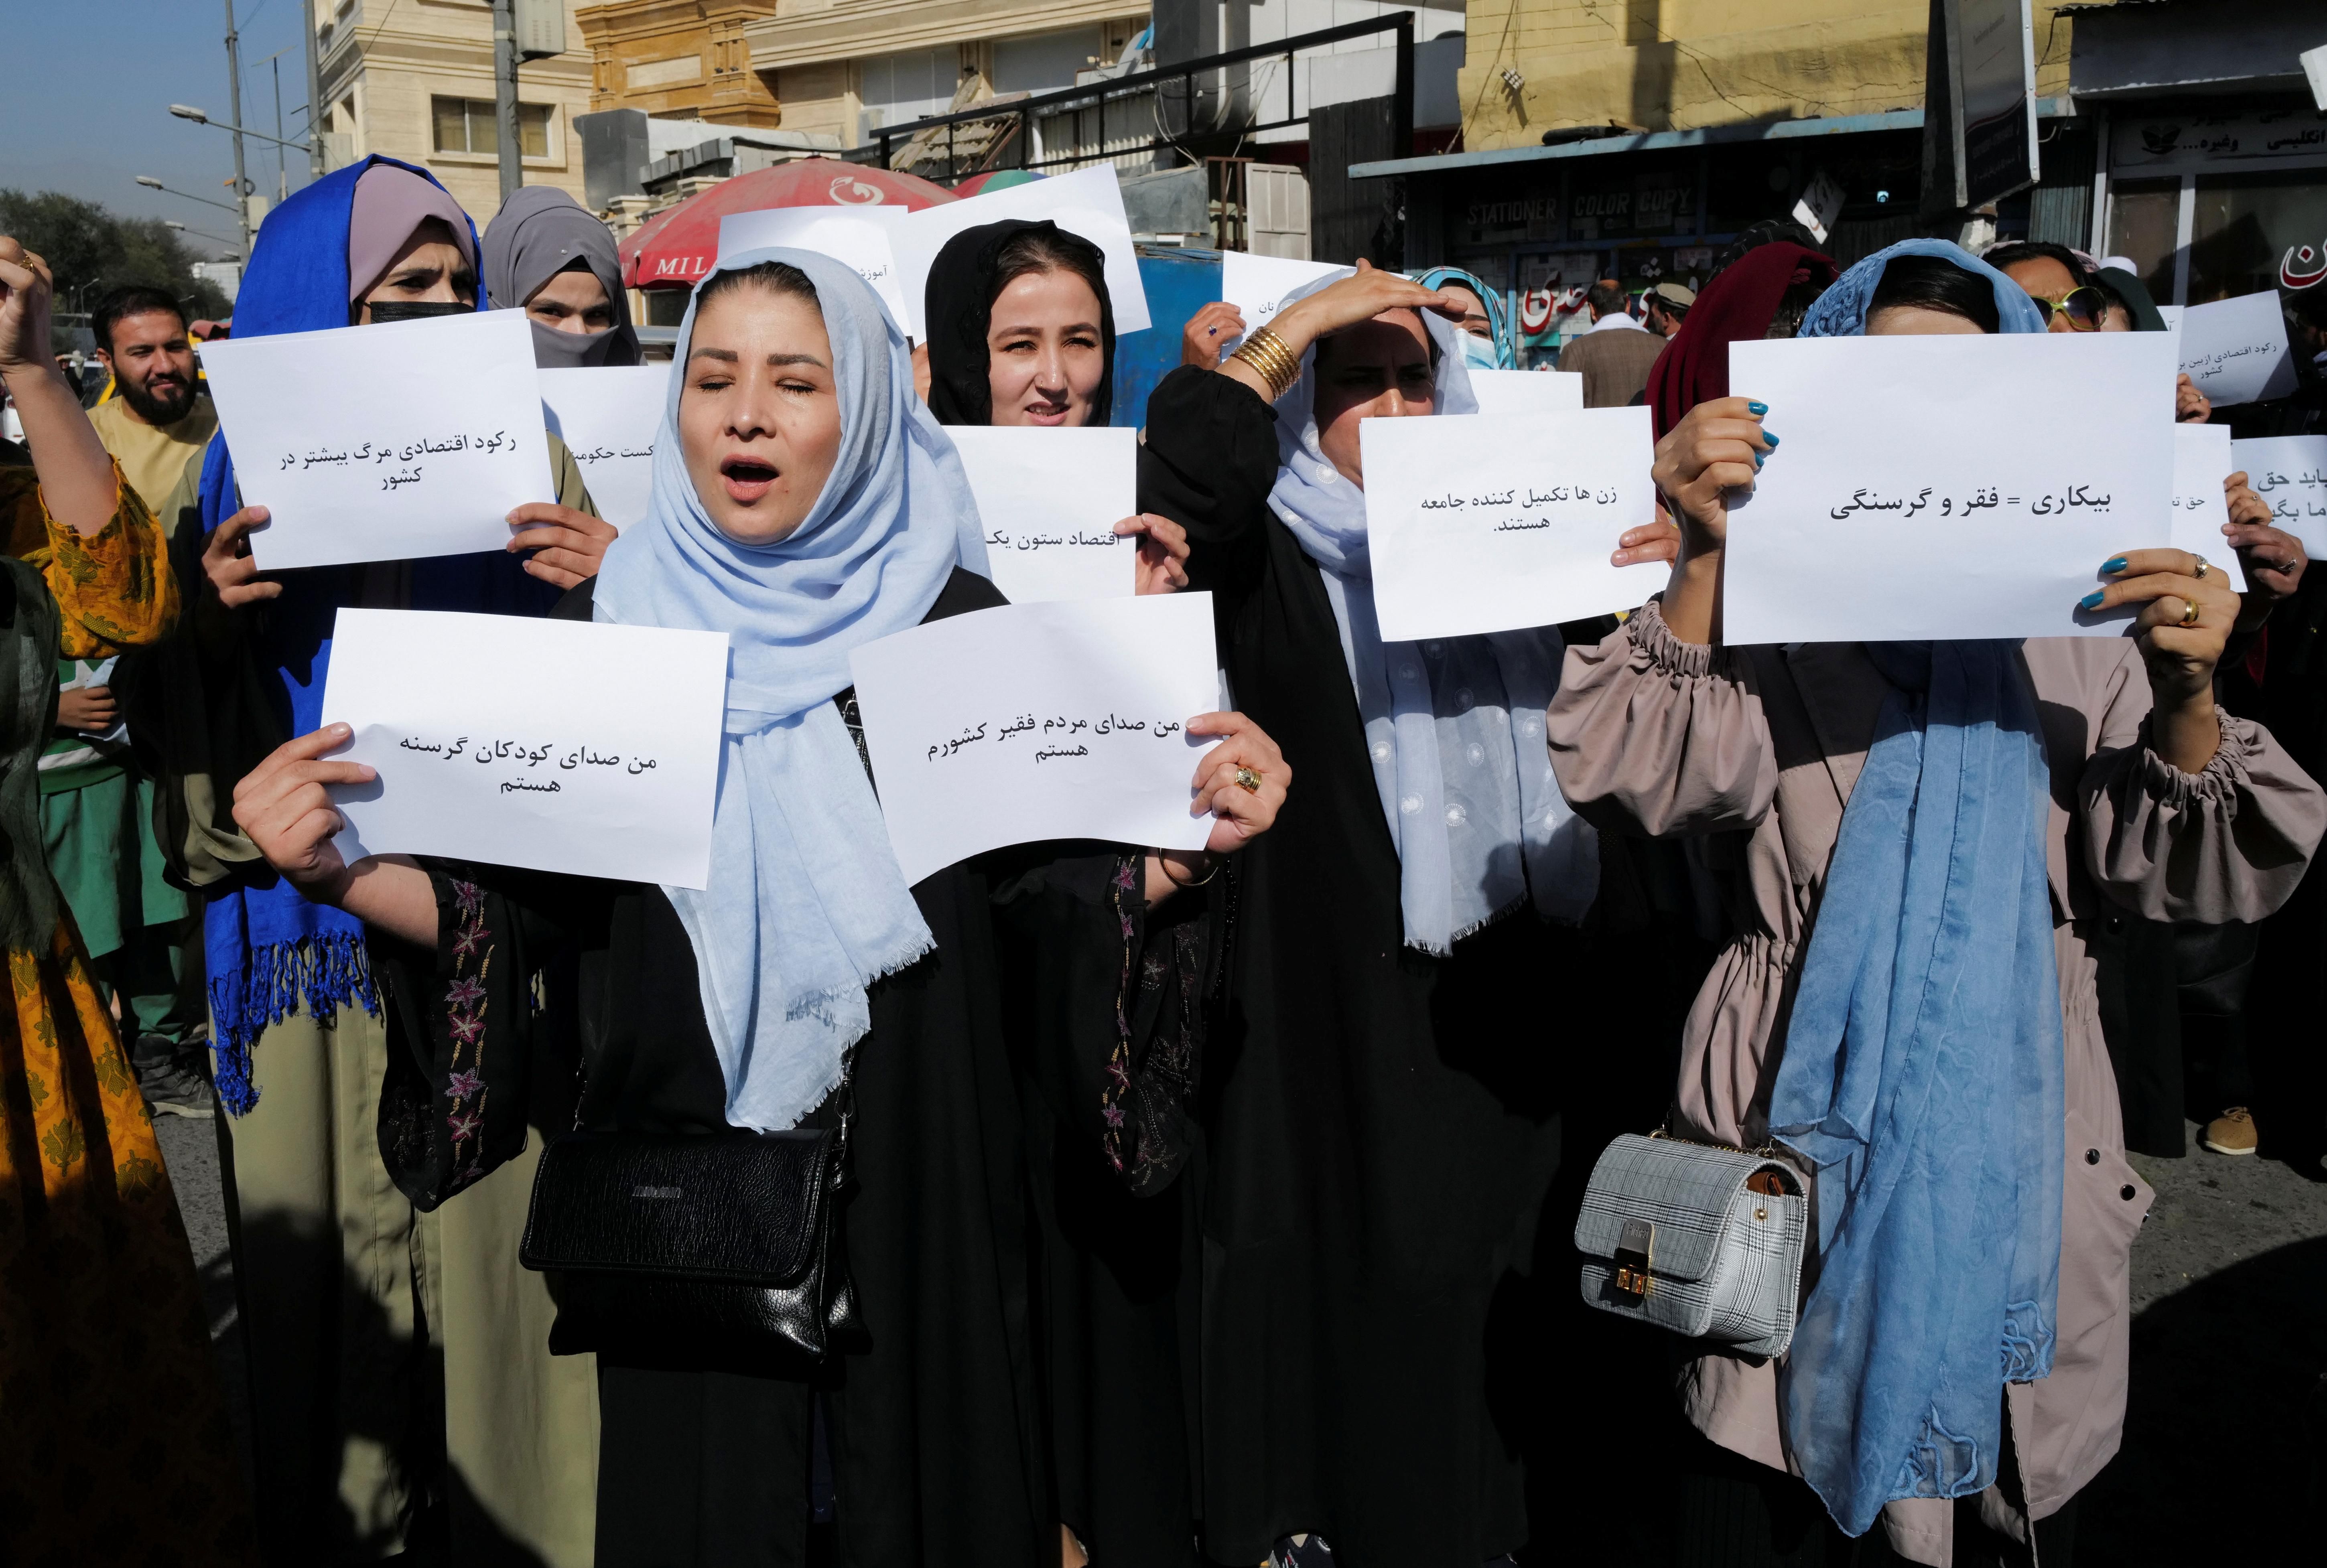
<point>676,246</point>
<point>994,180</point>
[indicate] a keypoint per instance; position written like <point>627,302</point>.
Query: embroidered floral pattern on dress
<point>464,1022</point>
<point>1118,1063</point>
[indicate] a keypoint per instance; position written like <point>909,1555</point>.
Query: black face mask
<point>415,310</point>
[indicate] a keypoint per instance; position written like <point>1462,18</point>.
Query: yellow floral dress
<point>114,1444</point>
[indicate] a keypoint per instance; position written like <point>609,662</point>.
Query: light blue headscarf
<point>1454,727</point>
<point>1505,355</point>
<point>1923,1065</point>
<point>807,906</point>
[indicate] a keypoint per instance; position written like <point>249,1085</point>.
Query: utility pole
<point>505,58</point>
<point>315,97</point>
<point>242,186</point>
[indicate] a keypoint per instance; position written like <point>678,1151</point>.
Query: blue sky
<point>89,82</point>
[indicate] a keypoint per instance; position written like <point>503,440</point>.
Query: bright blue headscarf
<point>1923,1065</point>
<point>807,906</point>
<point>1507,347</point>
<point>271,951</point>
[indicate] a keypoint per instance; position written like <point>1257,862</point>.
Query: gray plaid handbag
<point>1698,1239</point>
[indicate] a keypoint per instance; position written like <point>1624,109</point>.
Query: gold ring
<point>2202,569</point>
<point>2189,613</point>
<point>1248,780</point>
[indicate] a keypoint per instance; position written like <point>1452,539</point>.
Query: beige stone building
<point>413,79</point>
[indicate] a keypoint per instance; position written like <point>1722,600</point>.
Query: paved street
<point>2228,1423</point>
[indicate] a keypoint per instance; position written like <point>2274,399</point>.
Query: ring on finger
<point>2189,613</point>
<point>1248,780</point>
<point>2202,569</point>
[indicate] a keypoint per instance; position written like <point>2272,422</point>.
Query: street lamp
<point>151,183</point>
<point>188,112</point>
<point>206,234</point>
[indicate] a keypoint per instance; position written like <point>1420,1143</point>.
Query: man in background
<point>157,418</point>
<point>1615,353</point>
<point>1666,307</point>
<point>97,810</point>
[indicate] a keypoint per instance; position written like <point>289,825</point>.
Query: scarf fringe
<point>327,972</point>
<point>1474,928</point>
<point>819,1006</point>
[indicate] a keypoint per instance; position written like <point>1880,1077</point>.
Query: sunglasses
<point>2083,306</point>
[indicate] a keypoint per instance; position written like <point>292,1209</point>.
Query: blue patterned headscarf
<point>1921,1073</point>
<point>270,951</point>
<point>1498,319</point>
<point>1453,725</point>
<point>807,906</point>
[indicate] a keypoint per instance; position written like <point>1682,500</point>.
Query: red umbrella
<point>677,246</point>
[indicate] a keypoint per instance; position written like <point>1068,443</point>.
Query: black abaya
<point>1380,1125</point>
<point>936,1451</point>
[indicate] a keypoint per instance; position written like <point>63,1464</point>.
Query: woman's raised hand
<point>1354,300</point>
<point>282,805</point>
<point>1241,781</point>
<point>1162,552</point>
<point>1718,446</point>
<point>2190,407</point>
<point>570,544</point>
<point>1208,332</point>
<point>227,562</point>
<point>2272,558</point>
<point>1657,541</point>
<point>2186,618</point>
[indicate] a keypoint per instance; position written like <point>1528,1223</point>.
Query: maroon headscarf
<point>1737,305</point>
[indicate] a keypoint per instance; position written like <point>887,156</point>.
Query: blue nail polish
<point>2092,600</point>
<point>1758,458</point>
<point>1770,438</point>
<point>2113,564</point>
<point>1756,409</point>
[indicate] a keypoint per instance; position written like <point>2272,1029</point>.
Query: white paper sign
<point>1947,486</point>
<point>1819,204</point>
<point>2290,474</point>
<point>2202,460</point>
<point>609,416</point>
<point>1089,203</point>
<point>2236,350</point>
<point>1035,721</point>
<point>1529,391</point>
<point>1505,520</point>
<point>1049,500</point>
<point>858,238</point>
<point>385,443</point>
<point>562,745</point>
<point>1257,285</point>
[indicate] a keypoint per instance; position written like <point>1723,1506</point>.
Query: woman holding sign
<point>1916,843</point>
<point>806,505</point>
<point>1384,1136</point>
<point>332,1252</point>
<point>114,1442</point>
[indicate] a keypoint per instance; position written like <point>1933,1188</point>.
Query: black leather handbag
<point>694,1250</point>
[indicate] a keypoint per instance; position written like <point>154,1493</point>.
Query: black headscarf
<point>539,233</point>
<point>963,281</point>
<point>2131,293</point>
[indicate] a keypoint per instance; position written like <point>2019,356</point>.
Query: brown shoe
<point>2231,1133</point>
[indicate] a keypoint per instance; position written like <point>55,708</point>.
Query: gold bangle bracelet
<point>1267,354</point>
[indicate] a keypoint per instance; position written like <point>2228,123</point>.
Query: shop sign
<point>1662,202</point>
<point>1526,217</point>
<point>2183,141</point>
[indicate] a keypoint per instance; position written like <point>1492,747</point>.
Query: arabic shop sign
<point>2183,141</point>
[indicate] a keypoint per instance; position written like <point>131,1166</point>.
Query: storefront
<point>2215,181</point>
<point>1652,206</point>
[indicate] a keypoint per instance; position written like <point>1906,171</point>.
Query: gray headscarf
<point>1454,727</point>
<point>539,233</point>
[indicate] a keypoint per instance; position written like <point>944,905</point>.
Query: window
<point>466,126</point>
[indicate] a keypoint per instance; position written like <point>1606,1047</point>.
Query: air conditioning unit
<point>540,27</point>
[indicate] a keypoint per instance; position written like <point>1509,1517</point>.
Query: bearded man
<point>157,418</point>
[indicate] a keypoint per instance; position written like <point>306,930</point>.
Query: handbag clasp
<point>1635,1244</point>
